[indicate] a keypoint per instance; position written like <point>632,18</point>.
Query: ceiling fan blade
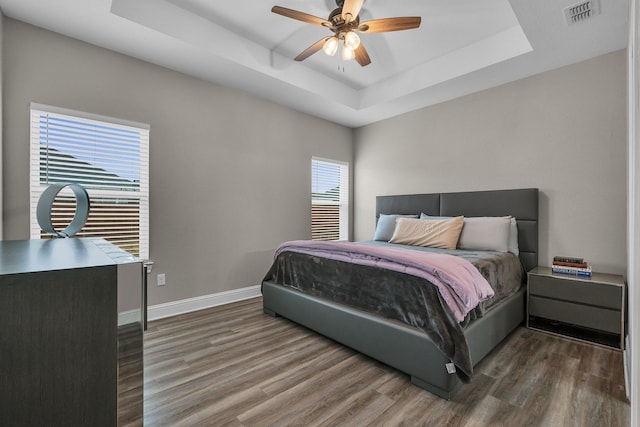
<point>312,49</point>
<point>351,9</point>
<point>362,57</point>
<point>301,16</point>
<point>390,24</point>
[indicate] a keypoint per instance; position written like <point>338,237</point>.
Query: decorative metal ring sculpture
<point>45,206</point>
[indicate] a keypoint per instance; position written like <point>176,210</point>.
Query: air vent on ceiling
<point>581,11</point>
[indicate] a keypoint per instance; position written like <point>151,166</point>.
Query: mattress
<point>400,297</point>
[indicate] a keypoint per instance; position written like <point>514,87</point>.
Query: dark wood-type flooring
<point>235,366</point>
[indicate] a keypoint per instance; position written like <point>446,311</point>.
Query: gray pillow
<point>433,217</point>
<point>386,226</point>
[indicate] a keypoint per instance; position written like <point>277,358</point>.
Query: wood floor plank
<point>361,411</point>
<point>330,402</point>
<point>305,393</point>
<point>235,366</point>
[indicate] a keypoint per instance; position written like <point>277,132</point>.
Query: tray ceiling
<point>461,47</point>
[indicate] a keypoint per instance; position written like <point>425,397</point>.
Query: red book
<point>571,264</point>
<point>569,259</point>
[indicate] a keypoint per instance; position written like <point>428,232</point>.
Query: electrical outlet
<point>161,280</point>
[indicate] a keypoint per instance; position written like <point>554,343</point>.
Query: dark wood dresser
<point>60,327</point>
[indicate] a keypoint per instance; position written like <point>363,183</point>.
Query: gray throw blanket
<point>460,284</point>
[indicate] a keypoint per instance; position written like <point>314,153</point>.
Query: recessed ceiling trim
<point>181,24</point>
<point>484,53</point>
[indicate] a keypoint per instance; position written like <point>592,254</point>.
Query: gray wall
<point>563,131</point>
<point>229,173</point>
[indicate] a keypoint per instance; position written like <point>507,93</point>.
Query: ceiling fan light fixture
<point>347,53</point>
<point>351,40</point>
<point>344,21</point>
<point>330,47</point>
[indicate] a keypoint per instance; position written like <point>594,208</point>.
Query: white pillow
<point>485,234</point>
<point>513,236</point>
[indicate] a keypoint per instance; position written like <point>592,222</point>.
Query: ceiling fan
<point>344,21</point>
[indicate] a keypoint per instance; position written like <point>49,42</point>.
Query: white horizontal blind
<point>329,200</point>
<point>109,158</point>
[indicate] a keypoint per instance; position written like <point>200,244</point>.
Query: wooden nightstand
<point>589,309</point>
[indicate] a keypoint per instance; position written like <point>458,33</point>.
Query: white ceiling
<point>462,46</point>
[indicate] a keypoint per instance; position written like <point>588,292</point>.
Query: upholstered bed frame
<point>402,347</point>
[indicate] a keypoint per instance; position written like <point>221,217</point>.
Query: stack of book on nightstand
<point>571,265</point>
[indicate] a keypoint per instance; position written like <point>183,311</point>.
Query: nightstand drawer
<point>583,315</point>
<point>581,291</point>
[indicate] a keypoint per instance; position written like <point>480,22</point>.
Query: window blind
<point>109,157</point>
<point>329,200</point>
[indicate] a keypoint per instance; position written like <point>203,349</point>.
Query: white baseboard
<point>126,317</point>
<point>174,308</point>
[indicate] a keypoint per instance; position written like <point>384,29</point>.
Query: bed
<point>404,347</point>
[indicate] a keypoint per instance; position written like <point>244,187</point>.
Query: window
<point>329,200</point>
<point>109,157</point>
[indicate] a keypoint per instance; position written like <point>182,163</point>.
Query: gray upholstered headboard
<point>522,204</point>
